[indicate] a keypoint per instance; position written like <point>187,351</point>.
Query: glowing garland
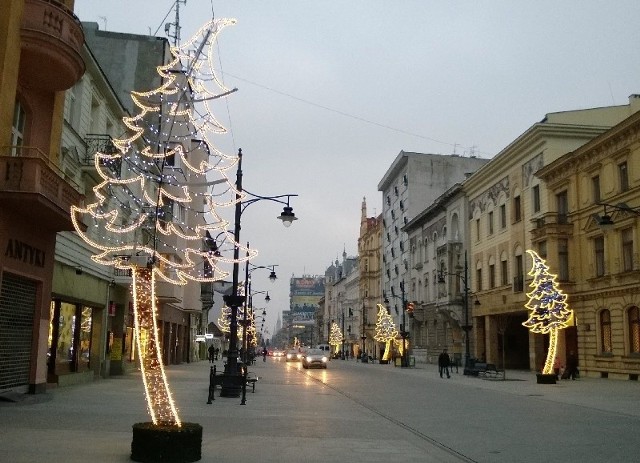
<point>385,330</point>
<point>548,306</point>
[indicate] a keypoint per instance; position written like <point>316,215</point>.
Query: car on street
<point>314,358</point>
<point>293,355</point>
<point>278,353</point>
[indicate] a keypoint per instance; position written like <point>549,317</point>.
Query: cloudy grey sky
<point>331,91</point>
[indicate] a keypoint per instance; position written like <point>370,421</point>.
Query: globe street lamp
<point>231,381</point>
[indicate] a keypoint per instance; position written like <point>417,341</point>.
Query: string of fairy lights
<point>155,211</point>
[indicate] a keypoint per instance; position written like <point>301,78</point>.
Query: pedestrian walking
<point>443,363</point>
<point>212,351</point>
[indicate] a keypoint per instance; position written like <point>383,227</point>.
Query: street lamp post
<point>465,301</point>
<point>231,381</point>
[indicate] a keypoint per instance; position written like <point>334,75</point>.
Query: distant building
<point>410,185</point>
<point>370,273</point>
<point>304,296</point>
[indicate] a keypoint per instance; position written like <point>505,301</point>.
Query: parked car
<point>294,355</point>
<point>314,358</point>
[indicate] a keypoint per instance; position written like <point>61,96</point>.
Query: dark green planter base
<point>546,379</point>
<point>166,443</point>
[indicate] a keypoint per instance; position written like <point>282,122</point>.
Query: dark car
<point>314,358</point>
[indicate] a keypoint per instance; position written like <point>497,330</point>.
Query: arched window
<point>634,330</point>
<point>605,331</point>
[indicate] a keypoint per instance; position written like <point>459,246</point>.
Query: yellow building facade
<point>507,203</point>
<point>597,245</point>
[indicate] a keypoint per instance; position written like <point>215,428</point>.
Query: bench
<point>487,370</point>
<point>251,381</point>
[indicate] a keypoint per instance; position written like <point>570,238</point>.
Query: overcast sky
<point>329,92</point>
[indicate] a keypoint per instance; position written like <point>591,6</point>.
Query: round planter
<point>166,443</point>
<point>546,379</point>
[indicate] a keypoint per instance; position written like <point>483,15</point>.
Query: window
<point>477,229</point>
<point>479,279</point>
<point>395,190</point>
<point>518,279</point>
<point>595,189</point>
<point>634,330</point>
<point>542,249</point>
<point>517,209</point>
<point>623,175</point>
<point>605,331</point>
<point>562,206</point>
<point>627,249</point>
<point>563,260</point>
<point>490,223</point>
<point>492,276</point>
<point>388,201</point>
<point>504,272</point>
<point>17,129</point>
<point>405,180</point>
<point>598,248</point>
<point>536,198</point>
<point>401,205</point>
<point>503,216</point>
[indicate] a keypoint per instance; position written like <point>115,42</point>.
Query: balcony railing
<point>27,172</point>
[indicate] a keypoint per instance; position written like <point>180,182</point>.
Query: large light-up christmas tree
<point>549,311</point>
<point>386,331</point>
<point>156,206</point>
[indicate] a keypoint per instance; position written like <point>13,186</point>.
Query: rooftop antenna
<point>104,19</point>
<point>176,25</point>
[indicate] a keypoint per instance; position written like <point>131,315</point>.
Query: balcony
<point>51,45</point>
<point>551,223</point>
<point>30,182</point>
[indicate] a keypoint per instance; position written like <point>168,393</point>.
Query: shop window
<point>70,331</point>
<point>634,330</point>
<point>605,331</point>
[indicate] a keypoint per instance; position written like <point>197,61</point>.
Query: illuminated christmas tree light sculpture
<point>155,206</point>
<point>335,337</point>
<point>385,331</point>
<point>549,311</point>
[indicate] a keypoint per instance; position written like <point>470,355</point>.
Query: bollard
<point>212,385</point>
<point>244,385</point>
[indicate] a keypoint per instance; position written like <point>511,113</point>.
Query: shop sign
<point>25,253</point>
<point>208,336</point>
<point>200,338</point>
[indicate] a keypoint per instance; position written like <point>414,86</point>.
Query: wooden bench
<point>487,370</point>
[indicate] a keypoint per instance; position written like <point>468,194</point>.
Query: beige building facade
<point>369,254</point>
<point>506,203</point>
<point>594,245</point>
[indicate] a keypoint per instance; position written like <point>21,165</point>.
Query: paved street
<point>351,411</point>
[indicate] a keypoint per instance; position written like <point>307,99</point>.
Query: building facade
<point>40,57</point>
<point>593,245</point>
<point>410,185</point>
<point>370,262</point>
<point>506,202</point>
<point>439,279</point>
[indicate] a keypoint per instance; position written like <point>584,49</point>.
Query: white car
<point>314,358</point>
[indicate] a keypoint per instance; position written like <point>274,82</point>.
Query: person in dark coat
<point>443,363</point>
<point>211,351</point>
<point>572,365</point>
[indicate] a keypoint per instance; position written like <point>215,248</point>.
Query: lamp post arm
<point>255,198</point>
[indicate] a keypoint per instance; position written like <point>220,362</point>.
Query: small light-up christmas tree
<point>385,331</point>
<point>548,305</point>
<point>335,337</point>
